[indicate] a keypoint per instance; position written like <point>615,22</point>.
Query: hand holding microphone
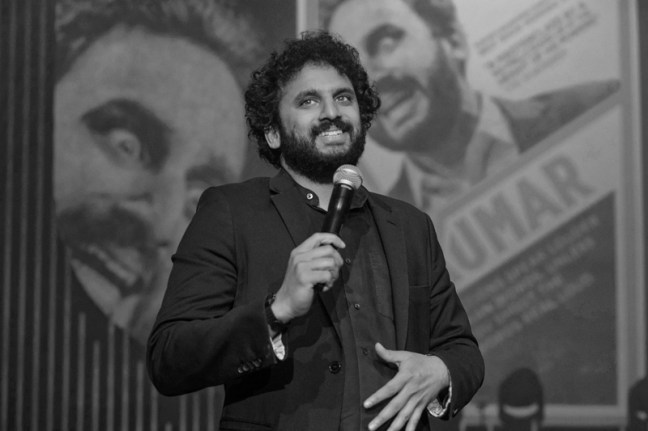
<point>314,264</point>
<point>346,180</point>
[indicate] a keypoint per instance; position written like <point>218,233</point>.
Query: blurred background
<point>516,124</point>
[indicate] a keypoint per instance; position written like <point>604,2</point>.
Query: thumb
<point>386,354</point>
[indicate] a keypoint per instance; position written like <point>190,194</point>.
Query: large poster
<point>512,123</point>
<point>148,112</point>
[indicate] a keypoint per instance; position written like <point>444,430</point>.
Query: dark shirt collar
<point>283,182</point>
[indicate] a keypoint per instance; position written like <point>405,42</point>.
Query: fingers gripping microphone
<point>346,180</point>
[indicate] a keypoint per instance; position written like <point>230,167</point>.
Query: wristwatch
<point>275,324</point>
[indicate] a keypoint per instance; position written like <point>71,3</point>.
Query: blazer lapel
<point>288,201</point>
<point>391,234</point>
<point>285,197</point>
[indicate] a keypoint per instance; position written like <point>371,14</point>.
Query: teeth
<point>331,133</point>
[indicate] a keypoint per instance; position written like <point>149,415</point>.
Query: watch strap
<point>275,324</point>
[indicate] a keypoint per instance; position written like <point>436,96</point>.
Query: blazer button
<point>335,367</point>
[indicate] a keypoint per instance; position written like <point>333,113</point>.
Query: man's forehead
<point>316,77</point>
<point>349,10</point>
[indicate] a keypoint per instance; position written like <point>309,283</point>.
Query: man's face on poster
<point>415,70</point>
<point>143,124</point>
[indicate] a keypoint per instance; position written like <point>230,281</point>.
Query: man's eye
<point>387,44</point>
<point>130,132</point>
<point>125,147</point>
<point>384,40</point>
<point>307,102</point>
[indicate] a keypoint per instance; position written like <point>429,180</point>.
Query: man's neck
<point>323,191</point>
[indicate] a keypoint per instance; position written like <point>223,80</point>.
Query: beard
<point>443,96</point>
<point>301,155</point>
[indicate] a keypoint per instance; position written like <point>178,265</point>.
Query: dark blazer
<point>211,328</point>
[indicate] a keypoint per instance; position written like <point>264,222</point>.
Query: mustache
<point>328,124</point>
<point>99,223</point>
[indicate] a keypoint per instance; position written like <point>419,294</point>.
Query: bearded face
<point>300,152</point>
<point>320,123</point>
<point>134,149</point>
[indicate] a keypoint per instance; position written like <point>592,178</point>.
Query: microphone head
<point>348,175</point>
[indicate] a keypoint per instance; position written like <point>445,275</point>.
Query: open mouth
<point>403,109</point>
<point>333,137</point>
<point>401,104</point>
<point>392,99</point>
<point>122,268</point>
<point>331,133</point>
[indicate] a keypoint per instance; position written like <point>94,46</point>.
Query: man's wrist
<point>276,325</point>
<point>440,406</point>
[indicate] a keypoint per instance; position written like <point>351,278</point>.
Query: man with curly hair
<point>310,330</point>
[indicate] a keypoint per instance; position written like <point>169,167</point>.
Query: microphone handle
<point>338,208</point>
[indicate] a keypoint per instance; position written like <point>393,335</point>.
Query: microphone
<point>346,180</point>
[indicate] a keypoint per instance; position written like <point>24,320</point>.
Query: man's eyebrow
<point>315,93</point>
<point>374,37</point>
<point>342,90</point>
<point>121,113</point>
<point>307,93</point>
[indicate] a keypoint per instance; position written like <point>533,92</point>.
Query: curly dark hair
<point>264,91</point>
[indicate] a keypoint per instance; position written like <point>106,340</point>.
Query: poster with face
<point>148,113</point>
<point>461,102</point>
<point>507,122</point>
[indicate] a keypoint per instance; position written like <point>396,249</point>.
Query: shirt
<point>363,308</point>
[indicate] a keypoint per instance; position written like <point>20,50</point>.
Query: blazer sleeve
<point>199,338</point>
<point>451,337</point>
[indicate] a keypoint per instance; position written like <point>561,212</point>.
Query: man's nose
<point>162,208</point>
<point>330,109</point>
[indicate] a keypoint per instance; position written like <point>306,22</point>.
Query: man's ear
<point>272,138</point>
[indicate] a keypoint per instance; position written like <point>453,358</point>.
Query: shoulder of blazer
<point>397,209</point>
<point>251,187</point>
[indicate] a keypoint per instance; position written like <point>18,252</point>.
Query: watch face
<point>435,408</point>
